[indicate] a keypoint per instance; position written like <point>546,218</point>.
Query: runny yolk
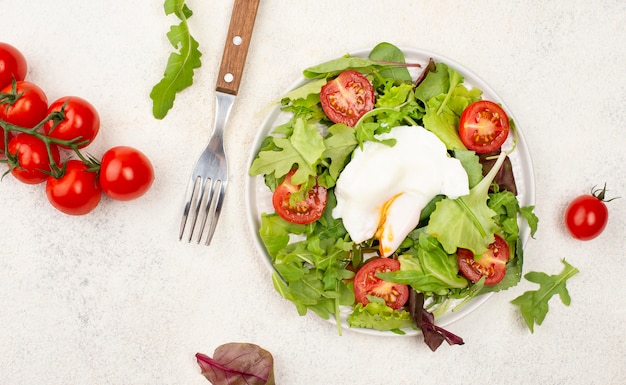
<point>381,226</point>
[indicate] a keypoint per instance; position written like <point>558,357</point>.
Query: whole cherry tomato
<point>12,65</point>
<point>27,107</point>
<point>81,122</point>
<point>32,163</point>
<point>77,191</point>
<point>125,173</point>
<point>587,215</point>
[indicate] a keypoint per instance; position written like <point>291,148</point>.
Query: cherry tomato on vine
<point>587,215</point>
<point>81,120</point>
<point>484,126</point>
<point>31,157</point>
<point>77,191</point>
<point>347,98</point>
<point>305,211</point>
<point>27,108</point>
<point>367,283</point>
<point>491,264</point>
<point>12,65</point>
<point>3,142</point>
<point>125,173</point>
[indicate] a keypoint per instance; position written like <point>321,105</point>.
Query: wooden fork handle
<point>236,47</point>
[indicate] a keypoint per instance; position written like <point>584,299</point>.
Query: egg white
<point>383,189</point>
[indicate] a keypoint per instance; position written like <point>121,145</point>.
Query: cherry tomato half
<point>492,264</point>
<point>77,192</point>
<point>12,65</point>
<point>125,173</point>
<point>33,162</point>
<point>367,283</point>
<point>347,98</point>
<point>81,120</point>
<point>587,216</point>
<point>484,126</point>
<point>305,211</point>
<point>30,107</point>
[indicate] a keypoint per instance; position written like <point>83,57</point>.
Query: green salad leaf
<point>467,221</point>
<point>180,67</point>
<point>534,304</point>
<point>427,268</point>
<point>378,316</point>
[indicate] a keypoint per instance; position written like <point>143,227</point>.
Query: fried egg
<point>382,191</point>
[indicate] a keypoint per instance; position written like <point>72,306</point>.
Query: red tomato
<point>347,98</point>
<point>12,65</point>
<point>367,283</point>
<point>81,120</point>
<point>28,109</point>
<point>484,126</point>
<point>77,192</point>
<point>31,154</point>
<point>587,215</point>
<point>125,173</point>
<point>492,264</point>
<point>3,143</point>
<point>305,211</point>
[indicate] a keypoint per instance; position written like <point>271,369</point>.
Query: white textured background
<point>115,298</point>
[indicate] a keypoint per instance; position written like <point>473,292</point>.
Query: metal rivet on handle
<point>237,40</point>
<point>229,77</point>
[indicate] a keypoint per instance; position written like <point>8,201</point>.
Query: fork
<point>207,185</point>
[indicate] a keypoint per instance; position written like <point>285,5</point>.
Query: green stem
<point>72,144</point>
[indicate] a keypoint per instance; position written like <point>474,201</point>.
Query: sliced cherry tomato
<point>484,126</point>
<point>31,155</point>
<point>491,264</point>
<point>12,65</point>
<point>26,105</point>
<point>367,283</point>
<point>77,192</point>
<point>305,211</point>
<point>347,98</point>
<point>81,121</point>
<point>125,173</point>
<point>587,215</point>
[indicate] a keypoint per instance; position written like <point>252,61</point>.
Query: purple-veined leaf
<point>238,364</point>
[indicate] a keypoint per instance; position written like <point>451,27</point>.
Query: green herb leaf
<point>180,67</point>
<point>534,304</point>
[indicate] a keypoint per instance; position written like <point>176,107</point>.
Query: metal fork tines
<point>209,178</point>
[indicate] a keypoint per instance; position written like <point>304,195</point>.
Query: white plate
<point>259,196</point>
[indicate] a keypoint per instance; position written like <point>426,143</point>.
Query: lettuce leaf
<point>427,268</point>
<point>467,221</point>
<point>378,316</point>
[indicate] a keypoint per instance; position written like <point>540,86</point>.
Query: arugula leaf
<point>534,304</point>
<point>180,67</point>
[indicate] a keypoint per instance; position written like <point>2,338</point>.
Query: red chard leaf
<point>433,334</point>
<point>238,364</point>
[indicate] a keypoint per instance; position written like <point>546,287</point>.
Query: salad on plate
<point>391,193</point>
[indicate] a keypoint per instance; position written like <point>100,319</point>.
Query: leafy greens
<point>313,264</point>
<point>534,304</point>
<point>180,67</point>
